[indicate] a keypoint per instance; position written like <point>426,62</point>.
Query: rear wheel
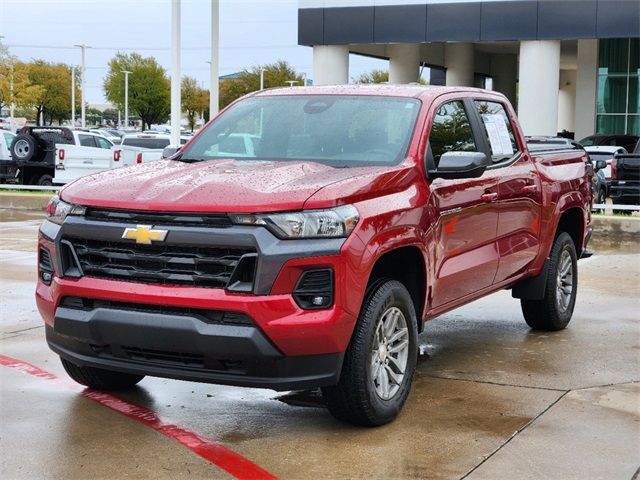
<point>100,379</point>
<point>380,360</point>
<point>44,181</point>
<point>554,311</point>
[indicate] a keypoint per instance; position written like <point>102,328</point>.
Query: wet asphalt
<point>491,399</point>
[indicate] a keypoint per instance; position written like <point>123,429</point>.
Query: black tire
<point>23,148</point>
<point>44,180</point>
<point>550,313</point>
<point>100,379</point>
<point>355,399</point>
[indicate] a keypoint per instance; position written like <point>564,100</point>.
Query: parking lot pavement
<point>491,399</point>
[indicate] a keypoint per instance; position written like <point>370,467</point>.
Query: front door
<point>465,256</point>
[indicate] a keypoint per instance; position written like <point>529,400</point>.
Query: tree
<point>378,76</point>
<point>149,87</point>
<point>195,100</point>
<point>374,76</point>
<point>14,83</point>
<point>275,75</point>
<point>54,98</point>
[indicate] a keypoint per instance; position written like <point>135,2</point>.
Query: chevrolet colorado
<point>313,259</point>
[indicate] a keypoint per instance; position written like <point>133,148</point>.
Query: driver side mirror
<point>460,165</point>
<point>170,151</point>
<point>600,165</point>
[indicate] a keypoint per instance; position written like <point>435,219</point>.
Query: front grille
<point>158,264</point>
<point>154,218</point>
<point>207,316</point>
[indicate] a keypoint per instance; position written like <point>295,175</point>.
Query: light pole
<point>214,93</point>
<point>261,78</point>
<point>73,96</point>
<point>126,98</point>
<point>82,48</point>
<point>176,111</point>
<point>291,82</point>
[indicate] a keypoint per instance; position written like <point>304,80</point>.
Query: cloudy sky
<point>251,32</point>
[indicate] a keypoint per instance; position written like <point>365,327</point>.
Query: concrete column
<point>567,101</point>
<point>504,70</point>
<point>538,90</point>
<point>404,62</point>
<point>586,81</point>
<point>330,64</point>
<point>458,58</point>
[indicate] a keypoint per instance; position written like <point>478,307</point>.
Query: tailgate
<point>628,167</point>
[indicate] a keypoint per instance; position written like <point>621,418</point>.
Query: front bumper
<point>184,347</point>
<point>284,347</point>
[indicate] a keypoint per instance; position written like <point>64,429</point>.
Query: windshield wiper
<point>187,160</point>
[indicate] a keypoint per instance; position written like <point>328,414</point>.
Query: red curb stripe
<point>214,452</point>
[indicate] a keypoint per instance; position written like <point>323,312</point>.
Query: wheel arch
<point>407,265</point>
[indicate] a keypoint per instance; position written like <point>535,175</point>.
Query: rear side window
<point>498,128</point>
<point>87,140</point>
<point>103,143</point>
<point>451,131</point>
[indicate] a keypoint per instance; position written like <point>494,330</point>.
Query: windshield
<point>600,156</point>
<point>588,141</point>
<point>152,143</point>
<point>338,130</point>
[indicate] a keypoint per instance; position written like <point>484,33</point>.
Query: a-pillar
<point>330,64</point>
<point>538,88</point>
<point>586,81</point>
<point>404,63</point>
<point>458,59</point>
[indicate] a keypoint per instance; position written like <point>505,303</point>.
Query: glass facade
<point>618,97</point>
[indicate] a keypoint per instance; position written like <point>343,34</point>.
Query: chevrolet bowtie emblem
<point>145,234</point>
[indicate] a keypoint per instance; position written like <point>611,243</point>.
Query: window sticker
<point>498,134</point>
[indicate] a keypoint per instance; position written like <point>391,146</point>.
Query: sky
<point>252,32</point>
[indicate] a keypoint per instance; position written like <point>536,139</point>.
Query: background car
<point>625,141</point>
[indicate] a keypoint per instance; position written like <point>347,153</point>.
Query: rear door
<point>464,254</point>
<point>519,190</point>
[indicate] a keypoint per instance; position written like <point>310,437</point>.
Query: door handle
<point>489,197</point>
<point>530,189</point>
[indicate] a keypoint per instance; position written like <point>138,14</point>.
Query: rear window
<point>151,143</point>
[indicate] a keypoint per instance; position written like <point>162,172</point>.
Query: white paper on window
<point>498,134</point>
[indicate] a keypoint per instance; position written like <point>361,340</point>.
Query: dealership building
<point>569,65</point>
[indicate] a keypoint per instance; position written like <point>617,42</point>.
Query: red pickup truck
<point>314,258</point>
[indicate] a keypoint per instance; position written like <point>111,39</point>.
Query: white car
<point>91,154</point>
<point>604,153</point>
<point>142,148</point>
<point>6,137</point>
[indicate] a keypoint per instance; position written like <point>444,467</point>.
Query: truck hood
<point>212,186</point>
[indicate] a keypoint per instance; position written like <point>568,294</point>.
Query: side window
<point>103,143</point>
<point>498,128</point>
<point>9,139</point>
<point>86,141</point>
<point>451,131</point>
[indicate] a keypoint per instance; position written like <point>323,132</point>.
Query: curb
<point>25,201</point>
<point>615,225</point>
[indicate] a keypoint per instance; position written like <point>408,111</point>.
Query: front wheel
<point>554,311</point>
<point>100,379</point>
<point>380,360</point>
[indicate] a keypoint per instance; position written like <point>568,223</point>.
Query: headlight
<point>331,223</point>
<point>57,210</point>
